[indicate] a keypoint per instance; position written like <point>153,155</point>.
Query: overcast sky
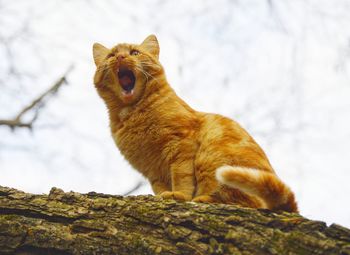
<point>280,68</point>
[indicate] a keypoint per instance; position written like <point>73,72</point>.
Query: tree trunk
<point>73,223</point>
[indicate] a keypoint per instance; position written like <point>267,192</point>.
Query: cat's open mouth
<point>126,80</point>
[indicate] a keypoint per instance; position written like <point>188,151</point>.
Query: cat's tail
<point>265,185</point>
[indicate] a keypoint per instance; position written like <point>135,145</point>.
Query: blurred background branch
<point>36,105</point>
<point>135,188</point>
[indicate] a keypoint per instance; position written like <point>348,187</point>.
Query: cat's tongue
<point>126,80</point>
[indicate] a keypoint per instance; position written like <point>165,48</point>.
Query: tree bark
<point>73,223</point>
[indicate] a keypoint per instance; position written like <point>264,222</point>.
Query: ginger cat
<point>186,155</point>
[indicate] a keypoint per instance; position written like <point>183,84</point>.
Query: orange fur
<point>181,151</point>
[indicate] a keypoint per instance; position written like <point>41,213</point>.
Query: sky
<point>279,68</point>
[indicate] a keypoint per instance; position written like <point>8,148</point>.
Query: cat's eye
<point>134,52</point>
<point>110,55</point>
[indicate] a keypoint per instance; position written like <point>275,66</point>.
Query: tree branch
<point>35,105</point>
<point>73,223</point>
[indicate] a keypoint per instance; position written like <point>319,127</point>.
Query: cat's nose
<point>120,58</point>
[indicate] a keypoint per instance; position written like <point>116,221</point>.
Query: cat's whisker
<point>143,72</point>
<point>107,68</point>
<point>147,74</point>
<point>103,68</point>
<point>150,64</point>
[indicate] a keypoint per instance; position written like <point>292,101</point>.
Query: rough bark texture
<point>73,223</point>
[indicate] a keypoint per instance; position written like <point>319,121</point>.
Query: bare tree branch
<point>95,223</point>
<point>35,105</point>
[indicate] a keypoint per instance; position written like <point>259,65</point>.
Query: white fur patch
<point>251,184</point>
<point>253,174</point>
<point>221,171</point>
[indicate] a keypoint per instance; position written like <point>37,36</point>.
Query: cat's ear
<point>99,52</point>
<point>151,45</point>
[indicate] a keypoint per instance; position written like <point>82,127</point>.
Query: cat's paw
<point>203,199</point>
<point>176,195</point>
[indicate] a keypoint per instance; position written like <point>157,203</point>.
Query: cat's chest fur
<point>151,139</point>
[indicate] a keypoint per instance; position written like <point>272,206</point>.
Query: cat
<point>186,155</point>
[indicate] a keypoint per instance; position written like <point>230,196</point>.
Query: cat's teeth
<point>128,93</point>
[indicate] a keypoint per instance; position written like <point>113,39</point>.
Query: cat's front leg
<point>182,181</point>
<point>162,190</point>
<point>159,186</point>
<point>207,185</point>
